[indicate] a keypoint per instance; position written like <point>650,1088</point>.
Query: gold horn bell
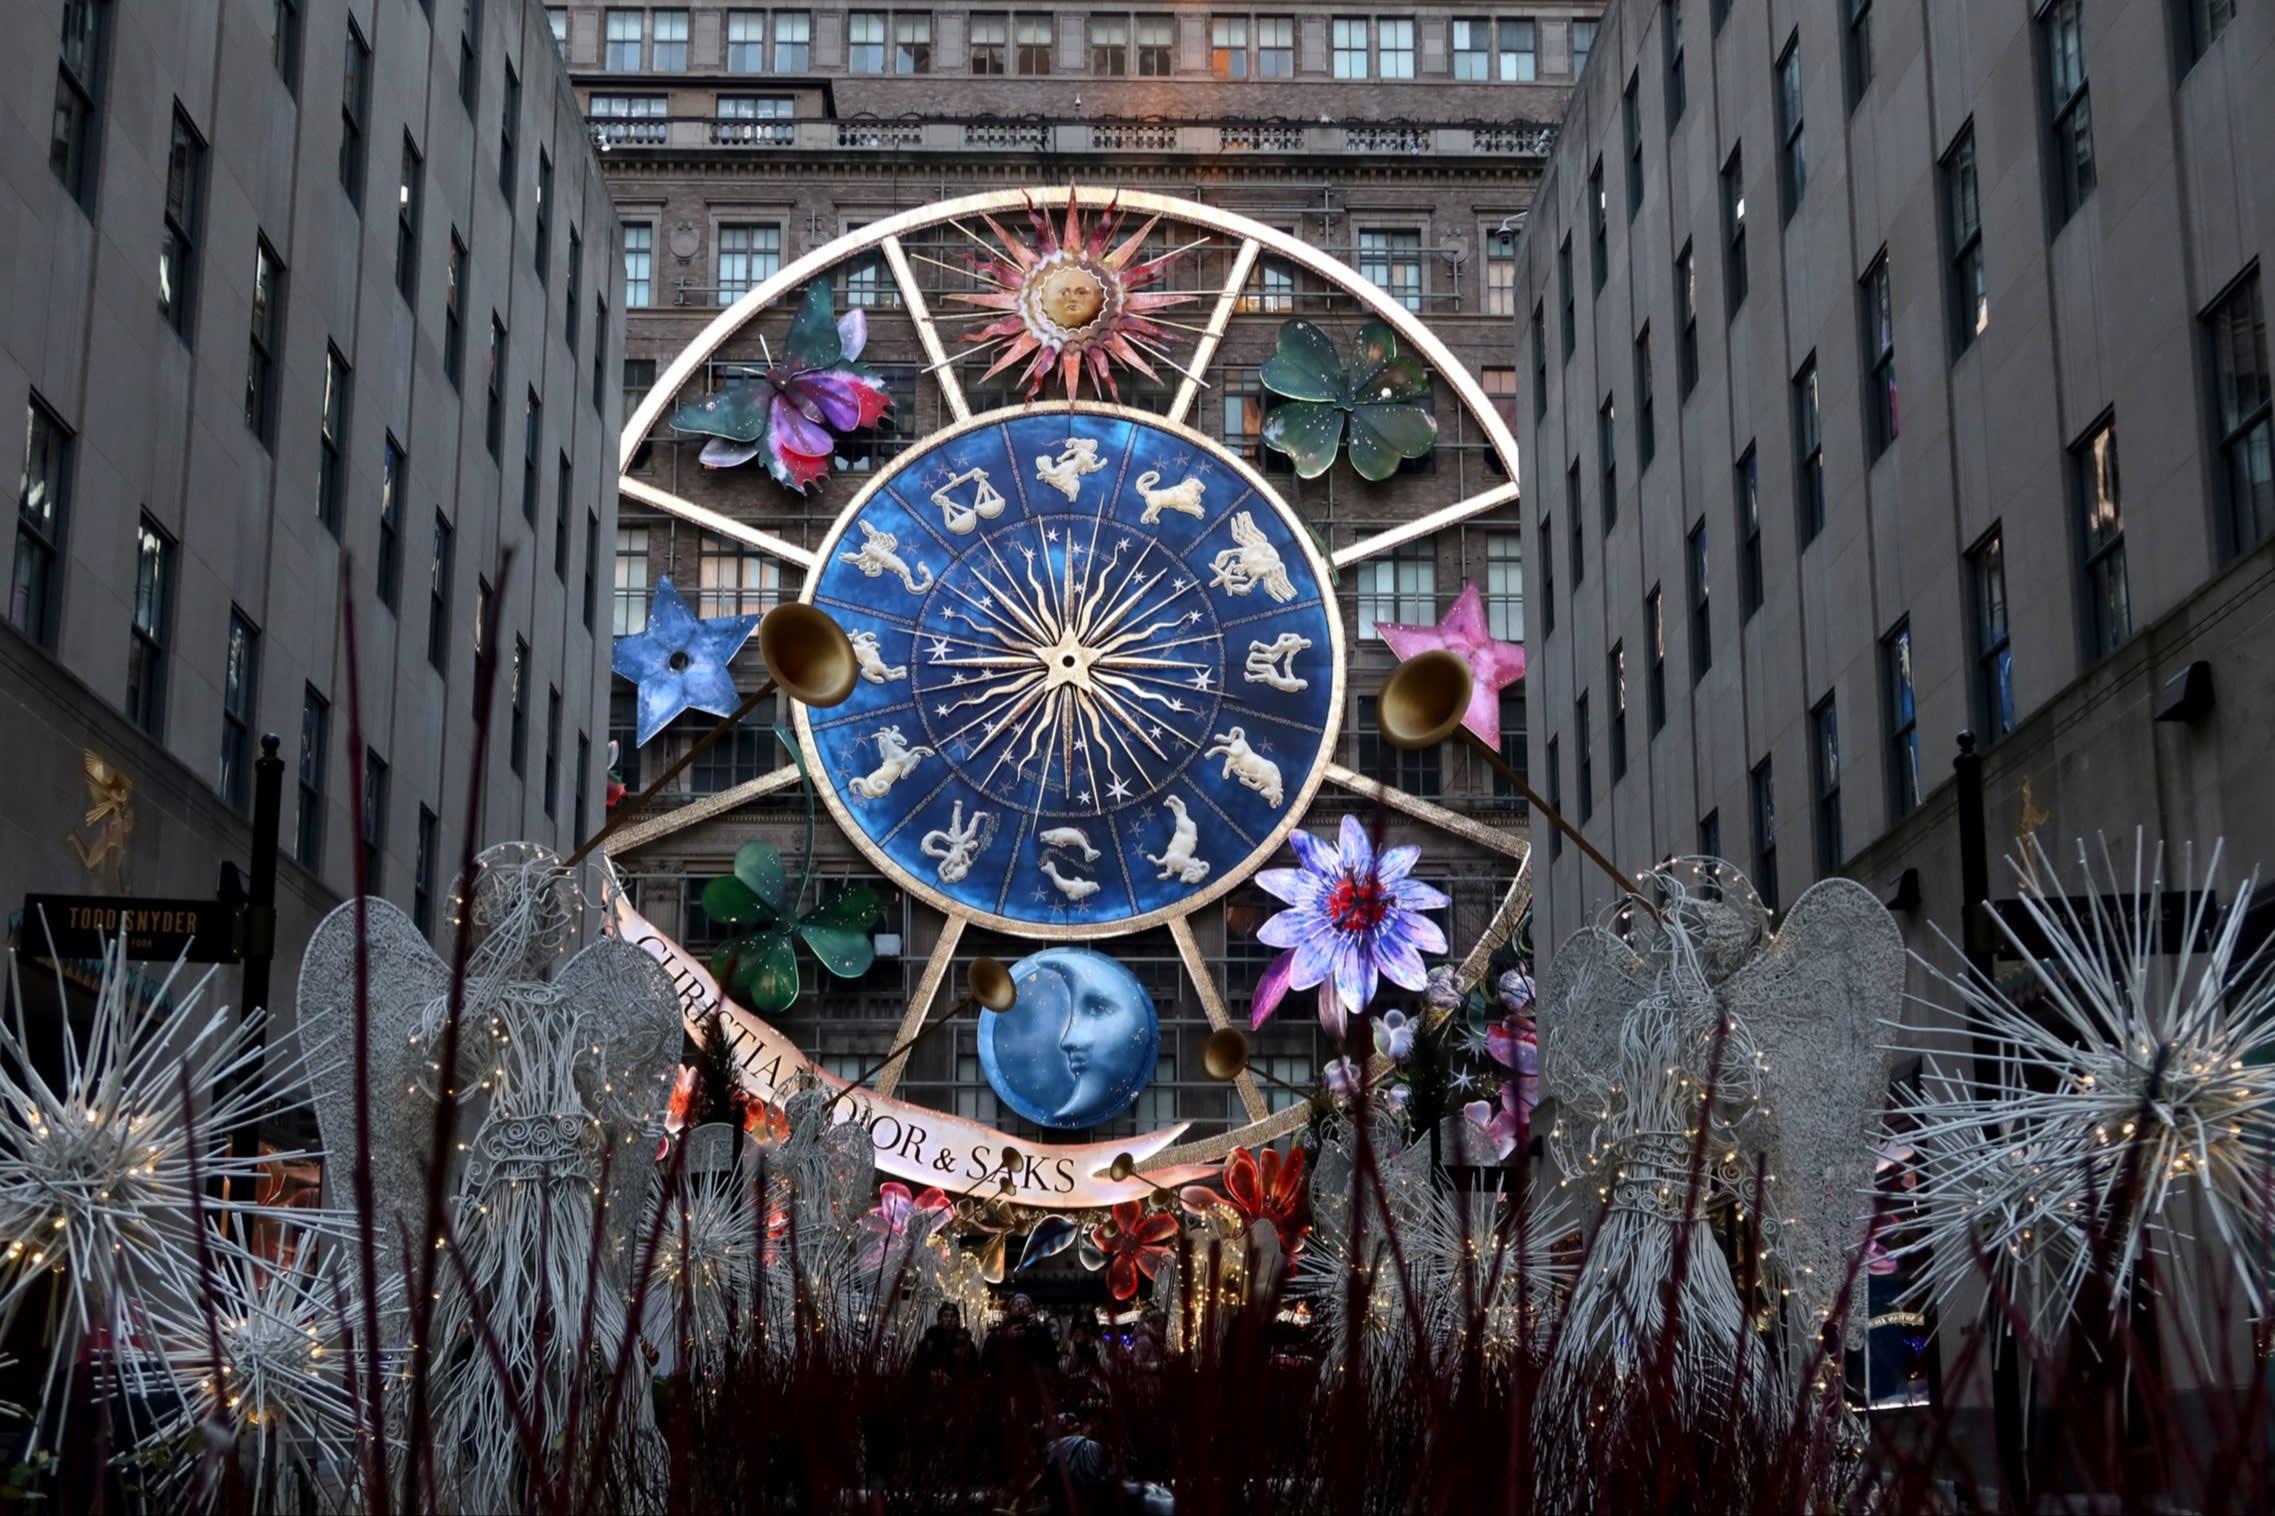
<point>1225,1054</point>
<point>1422,701</point>
<point>807,655</point>
<point>989,984</point>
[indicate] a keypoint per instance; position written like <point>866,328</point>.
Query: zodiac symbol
<point>899,760</point>
<point>1241,761</point>
<point>1240,569</point>
<point>1177,861</point>
<point>957,846</point>
<point>1183,498</point>
<point>960,518</point>
<point>1069,837</point>
<point>1077,456</point>
<point>1072,889</point>
<point>877,557</point>
<point>873,665</point>
<point>1273,662</point>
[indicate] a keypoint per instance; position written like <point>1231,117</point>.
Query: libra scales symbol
<point>964,519</point>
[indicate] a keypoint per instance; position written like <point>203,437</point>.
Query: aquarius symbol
<point>964,519</point>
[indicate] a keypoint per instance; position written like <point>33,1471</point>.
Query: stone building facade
<point>307,305</point>
<point>740,138</point>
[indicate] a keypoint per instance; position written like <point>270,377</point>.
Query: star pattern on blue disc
<point>679,662</point>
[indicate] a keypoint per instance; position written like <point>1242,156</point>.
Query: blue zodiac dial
<point>1079,1045</point>
<point>1100,670</point>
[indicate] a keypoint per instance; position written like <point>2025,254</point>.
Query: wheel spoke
<point>712,521</point>
<point>1181,927</point>
<point>1425,526</point>
<point>1227,300</point>
<point>1501,840</point>
<point>641,833</point>
<point>920,1004</point>
<point>927,330</point>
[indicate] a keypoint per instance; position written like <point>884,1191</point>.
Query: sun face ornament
<point>1070,303</point>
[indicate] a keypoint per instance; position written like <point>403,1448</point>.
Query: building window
<point>1856,54</point>
<point>1565,298</point>
<point>746,42</point>
<point>1539,361</point>
<point>1903,721</point>
<point>42,498</point>
<point>315,743</point>
<point>1584,751</point>
<point>2244,427</point>
<point>1710,835</point>
<point>1392,258</point>
<point>1686,308</point>
<point>374,820</point>
<point>865,42</point>
<point>1501,273</point>
<point>733,580</point>
<point>1631,133</point>
<point>1762,791</point>
<point>599,349</point>
<point>639,262</point>
<point>332,441</point>
<point>2069,125</point>
<point>990,38</point>
<point>572,299</point>
<point>1109,46</point>
<point>1599,233</point>
<point>267,318</point>
<point>390,555</point>
<point>592,564</point>
<point>1394,49</point>
<point>1792,157</point>
<point>541,212</point>
<point>738,758</point>
<point>1646,427</point>
<point>1472,50</point>
<point>1734,231</point>
<point>482,631</point>
<point>407,221</point>
<point>1615,683</point>
<point>1808,453</point>
<point>71,147</point>
<point>1156,46</point>
<point>517,750</point>
<point>1825,762</point>
<point>622,53</point>
<point>577,817</point>
<point>628,118</point>
<point>1877,307</point>
<point>557,17</point>
<point>1655,667</point>
<point>240,683</point>
<point>470,57</point>
<point>454,312</point>
<point>1519,53</point>
<point>1970,290</point>
<point>631,580</point>
<point>1583,43</point>
<point>1275,47</point>
<point>2202,23</point>
<point>1512,747</point>
<point>509,136</point>
<point>793,38</point>
<point>1350,47</point>
<point>1574,517</point>
<point>1749,493</point>
<point>552,751</point>
<point>152,613</point>
<point>1555,799</point>
<point>668,51</point>
<point>532,424</point>
<point>912,42</point>
<point>1701,626</point>
<point>1607,463</point>
<point>639,378</point>
<point>748,255</point>
<point>1272,290</point>
<point>1400,587</point>
<point>438,596</point>
<point>1499,381</point>
<point>562,489</point>
<point>355,110</point>
<point>1505,586</point>
<point>1032,37</point>
<point>284,42</point>
<point>177,239</point>
<point>2101,517</point>
<point>422,873</point>
<point>1672,37</point>
<point>1994,657</point>
<point>494,417</point>
<point>1548,574</point>
<point>1416,771</point>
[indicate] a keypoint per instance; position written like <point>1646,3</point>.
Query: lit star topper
<point>680,663</point>
<point>1493,665</point>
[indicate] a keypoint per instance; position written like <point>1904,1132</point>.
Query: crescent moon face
<point>1080,1044</point>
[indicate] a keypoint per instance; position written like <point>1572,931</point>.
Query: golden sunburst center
<point>1070,295</point>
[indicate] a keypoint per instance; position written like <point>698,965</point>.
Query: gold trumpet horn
<point>1225,1058</point>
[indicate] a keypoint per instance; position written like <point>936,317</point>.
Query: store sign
<point>913,1143</point>
<point>86,926</point>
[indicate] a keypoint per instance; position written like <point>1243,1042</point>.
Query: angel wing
<point>405,975</point>
<point>1814,999</point>
<point>1592,983</point>
<point>629,1015</point>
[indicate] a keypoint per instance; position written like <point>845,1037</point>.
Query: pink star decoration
<point>1494,665</point>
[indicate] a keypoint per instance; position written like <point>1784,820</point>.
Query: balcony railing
<point>1521,139</point>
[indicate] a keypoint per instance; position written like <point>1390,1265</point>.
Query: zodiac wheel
<point>1103,668</point>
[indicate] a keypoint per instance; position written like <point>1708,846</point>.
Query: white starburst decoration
<point>2132,1087</point>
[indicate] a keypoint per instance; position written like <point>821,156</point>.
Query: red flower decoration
<point>1135,1245</point>
<point>1260,1186</point>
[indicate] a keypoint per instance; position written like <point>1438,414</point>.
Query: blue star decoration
<point>680,663</point>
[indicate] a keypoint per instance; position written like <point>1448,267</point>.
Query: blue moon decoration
<point>1080,1044</point>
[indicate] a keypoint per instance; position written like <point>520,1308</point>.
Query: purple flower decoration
<point>1504,1128</point>
<point>792,412</point>
<point>1352,920</point>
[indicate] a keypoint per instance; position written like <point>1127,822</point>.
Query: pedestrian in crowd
<point>946,1356</point>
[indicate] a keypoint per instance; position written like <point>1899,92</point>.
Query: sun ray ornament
<point>2131,1107</point>
<point>1075,301</point>
<point>102,1170</point>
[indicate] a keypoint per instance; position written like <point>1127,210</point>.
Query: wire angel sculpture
<point>2130,1105</point>
<point>563,1071</point>
<point>716,1250</point>
<point>1703,1039</point>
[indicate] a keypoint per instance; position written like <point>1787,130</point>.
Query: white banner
<point>924,1147</point>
